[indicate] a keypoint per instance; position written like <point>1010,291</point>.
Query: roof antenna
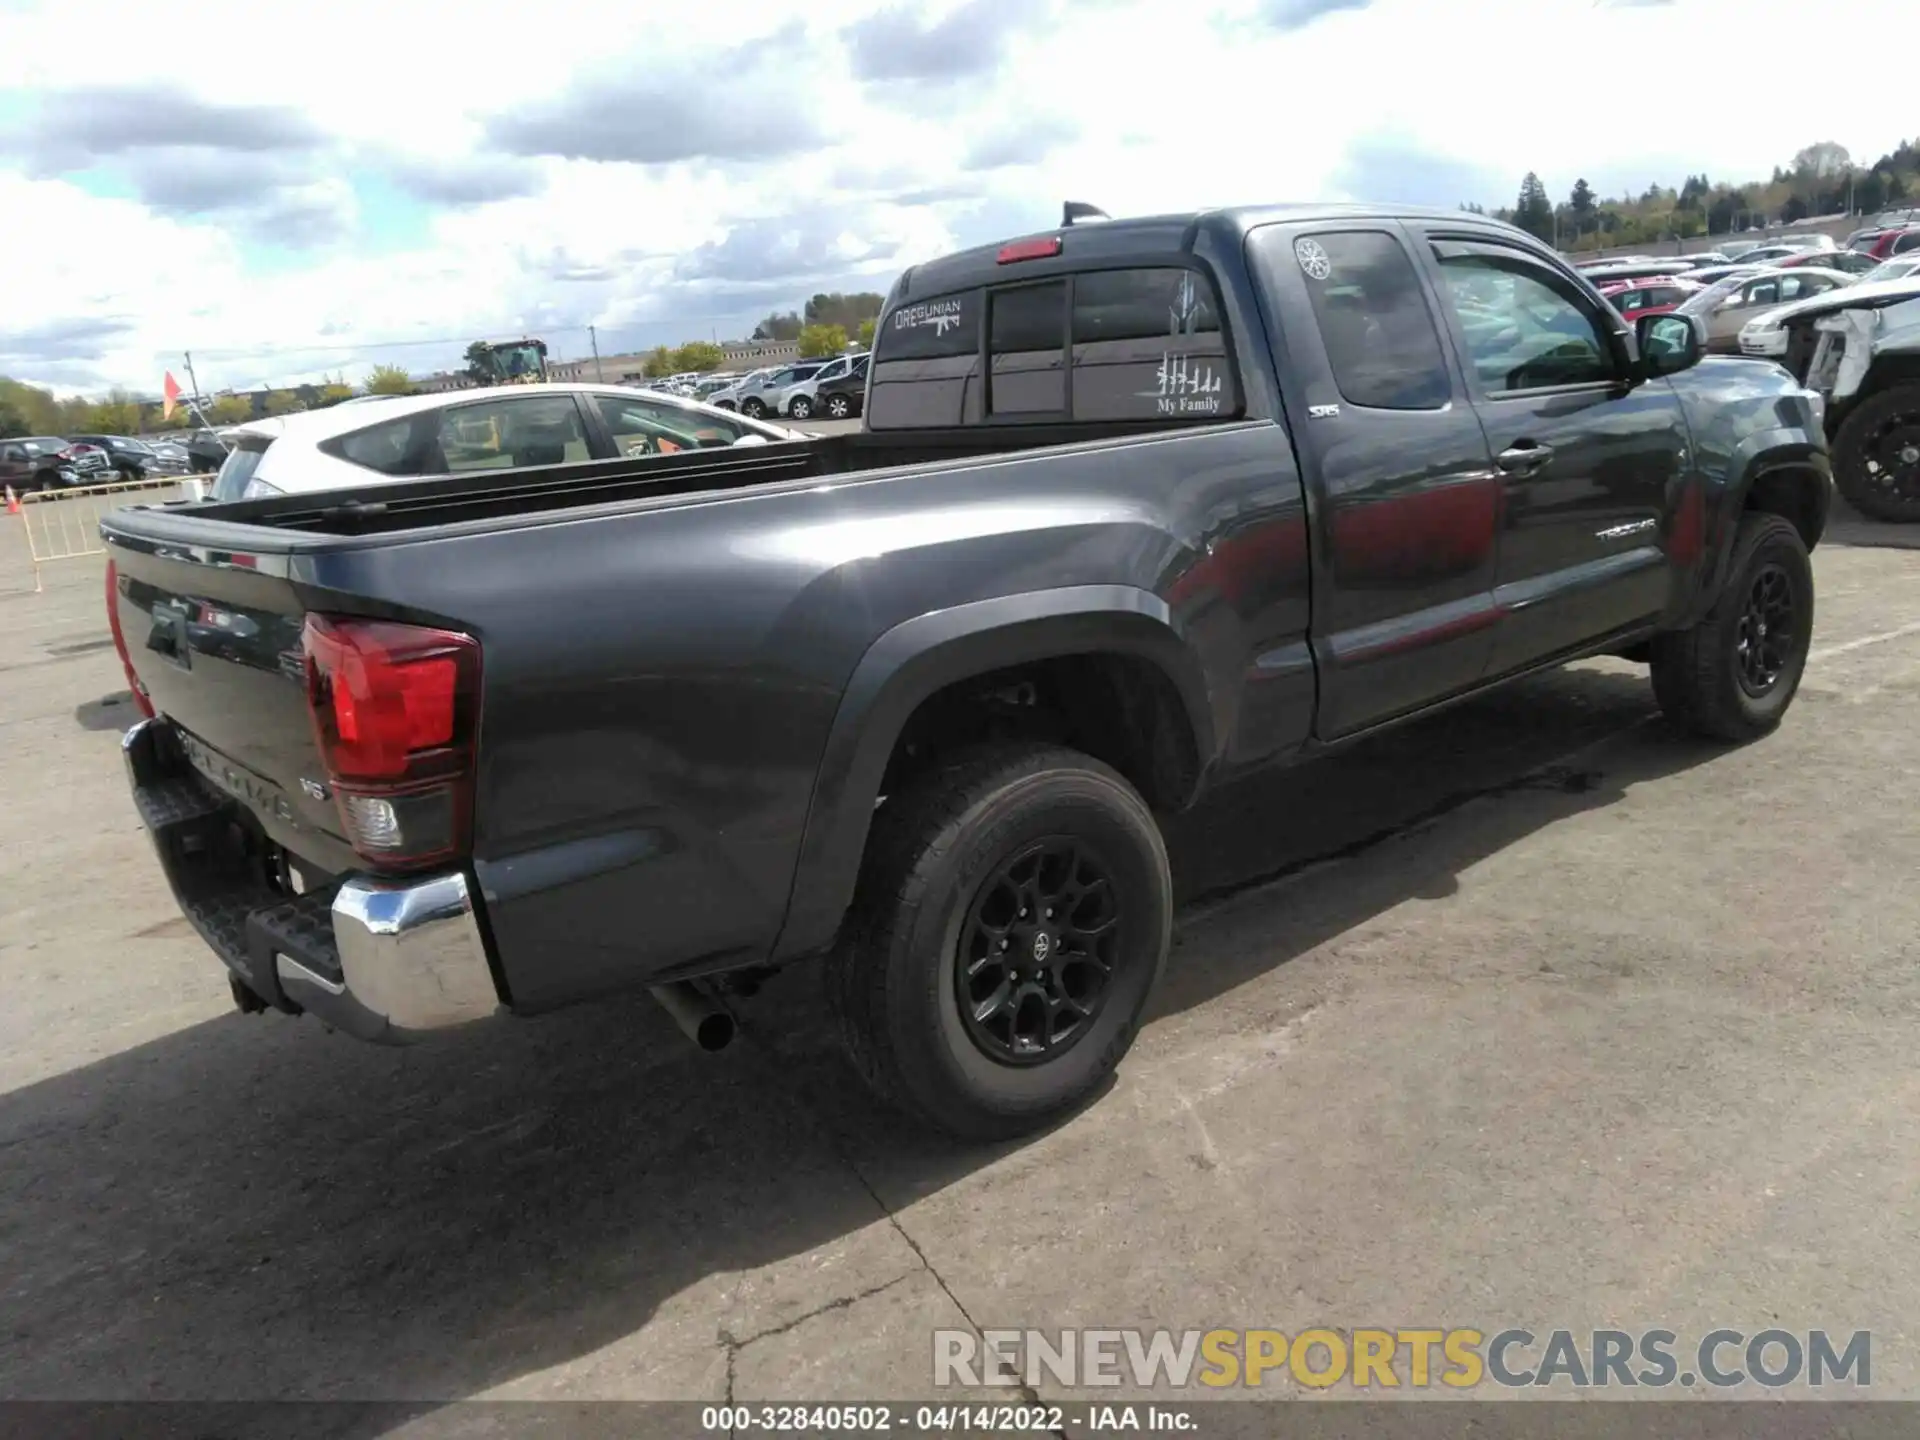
<point>1078,210</point>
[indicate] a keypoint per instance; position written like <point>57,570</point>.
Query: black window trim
<point>1447,245</point>
<point>983,355</point>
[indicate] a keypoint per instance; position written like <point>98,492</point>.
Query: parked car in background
<point>1724,309</point>
<point>1630,270</point>
<point>1859,350</point>
<point>1886,220</point>
<point>1770,254</point>
<point>1817,241</point>
<point>1634,298</point>
<point>513,427</point>
<point>38,462</point>
<point>842,397</point>
<point>1889,243</point>
<point>133,459</point>
<point>1847,262</point>
<point>758,395</point>
<point>727,397</point>
<point>1714,274</point>
<point>1892,269</point>
<point>799,400</point>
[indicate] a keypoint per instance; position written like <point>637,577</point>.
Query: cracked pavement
<point>1532,1013</point>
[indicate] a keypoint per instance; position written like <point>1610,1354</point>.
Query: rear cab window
<point>1116,343</point>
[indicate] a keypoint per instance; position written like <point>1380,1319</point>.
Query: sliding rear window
<point>1140,344</point>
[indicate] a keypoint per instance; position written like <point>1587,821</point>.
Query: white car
<point>1901,268</point>
<point>508,427</point>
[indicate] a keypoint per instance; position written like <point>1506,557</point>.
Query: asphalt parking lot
<point>1530,1014</point>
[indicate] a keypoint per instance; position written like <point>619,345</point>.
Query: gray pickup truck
<point>1140,507</point>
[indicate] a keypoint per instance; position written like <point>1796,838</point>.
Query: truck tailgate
<point>216,643</point>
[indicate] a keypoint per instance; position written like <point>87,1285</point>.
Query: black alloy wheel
<point>1037,951</point>
<point>1012,919</point>
<point>1766,636</point>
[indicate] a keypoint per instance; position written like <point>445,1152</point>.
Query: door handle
<point>1524,457</point>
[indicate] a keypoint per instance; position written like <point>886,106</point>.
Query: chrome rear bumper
<point>384,960</point>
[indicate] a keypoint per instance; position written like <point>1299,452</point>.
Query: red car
<point>1634,298</point>
<point>1889,243</point>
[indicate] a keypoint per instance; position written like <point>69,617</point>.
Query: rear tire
<point>1871,464</point>
<point>753,409</point>
<point>1733,675</point>
<point>801,408</point>
<point>1058,857</point>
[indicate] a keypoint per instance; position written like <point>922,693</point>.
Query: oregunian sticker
<point>1313,258</point>
<point>938,316</point>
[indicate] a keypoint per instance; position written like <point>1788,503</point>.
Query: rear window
<point>386,448</point>
<point>1128,344</point>
<point>237,469</point>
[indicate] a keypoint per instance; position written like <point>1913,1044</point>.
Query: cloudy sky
<point>293,191</point>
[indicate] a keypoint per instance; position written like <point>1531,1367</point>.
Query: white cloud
<point>394,173</point>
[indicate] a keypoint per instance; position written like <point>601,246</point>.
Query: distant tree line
<point>27,409</point>
<point>1821,180</point>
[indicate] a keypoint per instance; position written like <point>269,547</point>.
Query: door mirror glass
<point>1668,344</point>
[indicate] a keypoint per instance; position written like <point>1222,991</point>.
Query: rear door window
<point>1374,320</point>
<point>1147,344</point>
<point>509,434</point>
<point>387,448</point>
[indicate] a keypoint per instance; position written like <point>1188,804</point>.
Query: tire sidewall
<point>838,409</point>
<point>800,410</point>
<point>940,1057</point>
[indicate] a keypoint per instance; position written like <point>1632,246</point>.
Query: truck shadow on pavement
<point>250,1207</point>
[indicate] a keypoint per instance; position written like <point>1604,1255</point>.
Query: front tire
<point>801,408</point>
<point>1876,456</point>
<point>1733,675</point>
<point>1010,925</point>
<point>839,407</point>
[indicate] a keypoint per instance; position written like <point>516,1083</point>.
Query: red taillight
<point>140,697</point>
<point>1029,249</point>
<point>394,711</point>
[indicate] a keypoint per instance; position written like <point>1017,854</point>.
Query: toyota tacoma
<point>1140,507</point>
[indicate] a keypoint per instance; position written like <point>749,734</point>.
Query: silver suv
<point>758,395</point>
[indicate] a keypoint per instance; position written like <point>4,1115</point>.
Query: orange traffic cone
<point>13,502</point>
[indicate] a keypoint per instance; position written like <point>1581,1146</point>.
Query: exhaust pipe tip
<point>714,1032</point>
<point>707,1024</point>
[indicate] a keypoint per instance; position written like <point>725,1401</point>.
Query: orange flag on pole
<point>172,392</point>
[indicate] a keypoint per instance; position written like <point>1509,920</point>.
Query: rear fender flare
<point>921,656</point>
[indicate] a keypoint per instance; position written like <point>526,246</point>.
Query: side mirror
<point>1668,344</point>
